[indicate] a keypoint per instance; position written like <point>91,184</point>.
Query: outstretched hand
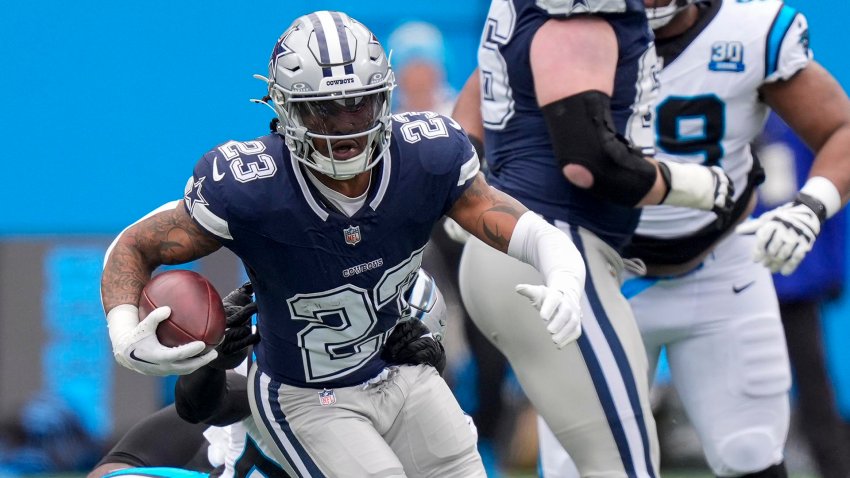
<point>560,309</point>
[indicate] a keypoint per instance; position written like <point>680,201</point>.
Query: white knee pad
<point>746,451</point>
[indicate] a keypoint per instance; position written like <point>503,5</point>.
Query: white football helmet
<point>427,304</point>
<point>660,16</point>
<point>330,84</point>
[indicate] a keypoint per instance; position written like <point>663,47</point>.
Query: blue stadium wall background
<point>105,107</point>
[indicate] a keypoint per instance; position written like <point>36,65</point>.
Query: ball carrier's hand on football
<point>411,342</point>
<point>136,347</point>
<point>239,306</point>
<point>130,260</point>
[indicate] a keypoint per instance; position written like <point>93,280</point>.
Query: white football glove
<point>699,187</point>
<point>559,307</point>
<point>136,347</point>
<point>786,234</point>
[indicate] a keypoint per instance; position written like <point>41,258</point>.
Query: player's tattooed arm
<point>168,237</point>
<point>487,213</point>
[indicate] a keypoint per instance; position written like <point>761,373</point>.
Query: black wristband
<point>812,203</point>
<point>665,176</point>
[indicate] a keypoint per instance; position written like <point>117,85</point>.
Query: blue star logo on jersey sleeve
<point>194,195</point>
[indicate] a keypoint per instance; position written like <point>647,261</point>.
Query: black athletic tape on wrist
<point>667,178</point>
<point>812,203</point>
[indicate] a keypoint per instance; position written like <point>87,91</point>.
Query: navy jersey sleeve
<point>444,155</point>
<point>465,165</point>
<point>205,199</point>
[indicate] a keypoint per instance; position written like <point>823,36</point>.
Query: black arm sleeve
<point>213,397</point>
<point>582,132</point>
<point>161,439</point>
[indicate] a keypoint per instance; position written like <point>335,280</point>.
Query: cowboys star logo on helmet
<point>328,65</point>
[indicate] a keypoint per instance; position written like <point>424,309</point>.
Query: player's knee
<point>745,452</point>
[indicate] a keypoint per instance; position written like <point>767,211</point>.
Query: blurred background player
<point>419,59</point>
<point>787,162</point>
<point>477,375</point>
<point>559,90</point>
<point>725,64</point>
<point>350,193</point>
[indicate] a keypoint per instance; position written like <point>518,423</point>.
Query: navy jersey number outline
<point>709,109</point>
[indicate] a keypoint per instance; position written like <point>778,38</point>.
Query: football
<point>196,310</point>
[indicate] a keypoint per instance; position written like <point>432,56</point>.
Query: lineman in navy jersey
<point>562,84</point>
<point>330,215</point>
<point>725,64</point>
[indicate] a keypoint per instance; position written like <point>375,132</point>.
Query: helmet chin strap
<point>340,170</point>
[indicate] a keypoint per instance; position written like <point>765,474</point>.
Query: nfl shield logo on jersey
<point>352,234</point>
<point>327,397</point>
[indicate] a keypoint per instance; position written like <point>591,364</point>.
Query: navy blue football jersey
<point>519,151</point>
<point>329,287</point>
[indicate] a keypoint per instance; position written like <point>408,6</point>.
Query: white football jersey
<point>708,109</point>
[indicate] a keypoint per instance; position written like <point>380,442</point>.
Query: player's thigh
<point>311,440</point>
<point>592,393</point>
<point>733,376</point>
<point>431,436</point>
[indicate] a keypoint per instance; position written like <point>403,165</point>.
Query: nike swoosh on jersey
<point>738,290</point>
<point>133,356</point>
<point>216,175</point>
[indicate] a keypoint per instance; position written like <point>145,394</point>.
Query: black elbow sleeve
<point>199,395</point>
<point>582,132</point>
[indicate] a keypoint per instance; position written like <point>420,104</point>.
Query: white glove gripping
<point>136,347</point>
<point>786,234</point>
<point>550,251</point>
<point>698,187</point>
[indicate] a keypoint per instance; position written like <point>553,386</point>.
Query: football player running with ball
<point>330,215</point>
<point>725,65</point>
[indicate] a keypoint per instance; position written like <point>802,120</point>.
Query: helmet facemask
<point>330,84</point>
<point>660,16</point>
<point>339,137</point>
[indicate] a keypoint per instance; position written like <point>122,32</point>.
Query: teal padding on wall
<point>76,357</point>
